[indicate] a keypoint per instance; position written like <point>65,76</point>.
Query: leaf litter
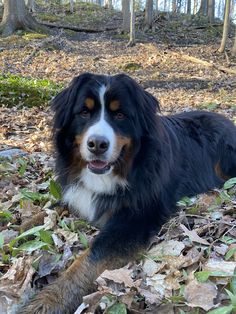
<point>191,261</point>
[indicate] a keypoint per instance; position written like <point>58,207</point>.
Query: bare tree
<point>234,46</point>
<point>132,24</point>
<point>16,16</point>
<point>31,5</point>
<point>149,13</point>
<point>108,4</point>
<point>71,6</point>
<point>189,7</point>
<point>225,27</point>
<point>174,6</point>
<point>157,6</point>
<point>126,15</point>
<point>203,7</point>
<point>211,10</point>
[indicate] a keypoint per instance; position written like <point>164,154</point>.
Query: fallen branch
<point>78,29</point>
<point>205,63</point>
<point>207,26</point>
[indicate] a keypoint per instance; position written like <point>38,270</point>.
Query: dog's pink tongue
<point>98,164</point>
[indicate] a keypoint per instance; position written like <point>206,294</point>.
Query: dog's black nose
<point>97,144</point>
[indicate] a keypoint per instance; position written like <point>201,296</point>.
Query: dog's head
<point>99,123</point>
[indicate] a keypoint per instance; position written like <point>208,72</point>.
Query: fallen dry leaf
<point>193,236</point>
<point>200,294</point>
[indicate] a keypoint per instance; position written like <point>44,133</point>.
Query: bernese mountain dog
<point>123,166</point>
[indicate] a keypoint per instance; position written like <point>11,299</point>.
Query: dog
<point>123,167</point>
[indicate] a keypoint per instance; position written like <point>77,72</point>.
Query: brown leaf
<point>200,294</point>
<point>193,236</point>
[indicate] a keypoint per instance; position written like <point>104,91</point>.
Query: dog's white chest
<point>80,201</point>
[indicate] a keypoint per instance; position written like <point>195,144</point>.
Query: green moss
<point>30,36</point>
<point>209,106</point>
<point>132,66</point>
<point>16,90</point>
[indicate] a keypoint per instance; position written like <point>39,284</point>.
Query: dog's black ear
<point>152,101</point>
<point>63,103</point>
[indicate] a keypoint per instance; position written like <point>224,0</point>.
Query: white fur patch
<point>106,183</point>
<point>80,197</point>
<point>80,201</point>
<point>100,128</point>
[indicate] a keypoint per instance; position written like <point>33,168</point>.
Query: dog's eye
<point>119,116</point>
<point>85,113</point>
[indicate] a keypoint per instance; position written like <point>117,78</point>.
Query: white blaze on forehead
<point>100,128</point>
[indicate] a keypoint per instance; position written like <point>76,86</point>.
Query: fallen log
<point>78,29</point>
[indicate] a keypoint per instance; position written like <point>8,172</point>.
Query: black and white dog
<point>123,167</point>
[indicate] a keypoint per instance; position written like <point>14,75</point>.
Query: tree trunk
<point>195,7</point>
<point>71,6</point>
<point>234,46</point>
<point>108,4</point>
<point>16,16</point>
<point>174,6</point>
<point>157,6</point>
<point>149,13</point>
<point>189,7</point>
<point>211,10</point>
<point>126,15</point>
<point>132,24</point>
<point>203,7</point>
<point>165,5</point>
<point>31,5</point>
<point>225,27</point>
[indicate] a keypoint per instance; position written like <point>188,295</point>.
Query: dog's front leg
<point>119,241</point>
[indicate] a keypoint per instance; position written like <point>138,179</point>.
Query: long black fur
<point>174,156</point>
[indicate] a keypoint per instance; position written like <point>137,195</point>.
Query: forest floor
<point>190,265</point>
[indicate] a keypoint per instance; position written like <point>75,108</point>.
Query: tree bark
<point>225,27</point>
<point>31,5</point>
<point>211,10</point>
<point>203,7</point>
<point>234,46</point>
<point>132,24</point>
<point>189,7</point>
<point>126,15</point>
<point>108,4</point>
<point>174,6</point>
<point>149,13</point>
<point>71,6</point>
<point>16,16</point>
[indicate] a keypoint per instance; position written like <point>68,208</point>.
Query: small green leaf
<point>55,190</point>
<point>31,246</point>
<point>83,239</point>
<point>230,253</point>
<point>233,282</point>
<point>202,276</point>
<point>222,310</point>
<point>228,240</point>
<point>46,237</point>
<point>117,308</point>
<point>31,231</point>
<point>33,196</point>
<point>1,240</point>
<point>5,215</point>
<point>230,183</point>
<point>232,297</point>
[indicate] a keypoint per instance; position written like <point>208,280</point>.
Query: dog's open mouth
<point>99,166</point>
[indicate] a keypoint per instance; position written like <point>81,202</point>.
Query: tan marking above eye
<point>89,102</point>
<point>114,105</point>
